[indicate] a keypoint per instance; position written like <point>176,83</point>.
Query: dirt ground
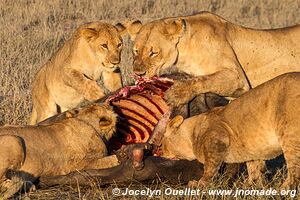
<point>32,30</point>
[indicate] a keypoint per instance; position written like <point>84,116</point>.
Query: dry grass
<point>32,30</point>
<point>222,182</point>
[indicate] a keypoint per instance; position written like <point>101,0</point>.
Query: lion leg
<point>12,156</point>
<point>256,171</point>
<point>291,152</point>
<point>33,118</point>
<point>44,109</point>
<point>224,83</point>
<point>214,148</point>
<point>103,163</point>
<point>43,105</point>
<point>112,80</point>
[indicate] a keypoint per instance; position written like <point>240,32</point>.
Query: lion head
<point>173,125</point>
<point>101,43</point>
<point>100,116</point>
<point>155,45</point>
<point>178,133</point>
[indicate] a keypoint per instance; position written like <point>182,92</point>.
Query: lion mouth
<point>152,71</point>
<point>158,70</point>
<point>149,74</point>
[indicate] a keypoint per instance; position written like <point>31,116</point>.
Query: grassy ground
<point>222,182</point>
<point>32,30</point>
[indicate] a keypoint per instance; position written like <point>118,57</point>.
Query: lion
<point>224,58</point>
<point>251,129</point>
<point>70,76</point>
<point>74,143</point>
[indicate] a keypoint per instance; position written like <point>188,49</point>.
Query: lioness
<point>225,58</point>
<point>250,129</point>
<point>74,143</point>
<point>70,75</point>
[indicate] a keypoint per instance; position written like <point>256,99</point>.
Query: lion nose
<point>138,68</point>
<point>115,62</point>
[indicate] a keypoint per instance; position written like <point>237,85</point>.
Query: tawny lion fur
<point>74,143</point>
<point>225,58</point>
<point>260,125</point>
<point>70,76</point>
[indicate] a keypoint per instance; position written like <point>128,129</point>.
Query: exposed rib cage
<point>139,107</point>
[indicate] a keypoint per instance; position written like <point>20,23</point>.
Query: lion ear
<point>105,122</point>
<point>132,27</point>
<point>176,121</point>
<point>175,27</point>
<point>88,33</point>
<point>121,28</point>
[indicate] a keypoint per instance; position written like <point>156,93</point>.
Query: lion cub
<point>69,77</point>
<point>74,143</point>
<point>260,125</point>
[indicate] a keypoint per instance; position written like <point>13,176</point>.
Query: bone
<point>140,108</point>
<point>137,156</point>
<point>160,129</point>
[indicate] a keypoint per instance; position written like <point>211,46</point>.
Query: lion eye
<point>135,51</point>
<point>153,54</point>
<point>104,46</point>
<point>119,45</point>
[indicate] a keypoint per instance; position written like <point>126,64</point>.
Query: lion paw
<point>178,94</point>
<point>193,184</point>
<point>9,187</point>
<point>197,184</point>
<point>288,185</point>
<point>93,91</point>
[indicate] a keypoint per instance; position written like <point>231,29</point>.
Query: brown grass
<point>32,30</point>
